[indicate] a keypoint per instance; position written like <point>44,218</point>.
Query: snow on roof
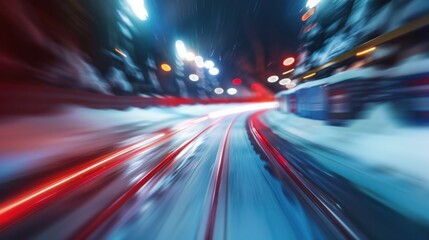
<point>413,65</point>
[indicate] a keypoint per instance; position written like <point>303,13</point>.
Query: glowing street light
<point>308,14</point>
<point>237,81</point>
<point>218,91</point>
<point>190,56</point>
<point>273,79</point>
<point>194,77</point>
<point>209,64</point>
<point>181,49</point>
<point>139,9</point>
<point>312,3</point>
<point>199,61</point>
<point>214,71</point>
<point>232,91</point>
<point>290,85</point>
<point>285,81</point>
<point>165,67</point>
<point>288,61</point>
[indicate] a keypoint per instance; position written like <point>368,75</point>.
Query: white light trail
<point>242,109</point>
<point>181,49</point>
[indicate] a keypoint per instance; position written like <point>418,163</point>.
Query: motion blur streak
<point>17,207</point>
<point>24,204</point>
<point>120,52</point>
<point>309,75</point>
<point>310,190</point>
<point>243,109</point>
<point>202,119</point>
<point>217,174</point>
<point>109,211</point>
<point>367,51</point>
<point>289,71</point>
<point>214,119</point>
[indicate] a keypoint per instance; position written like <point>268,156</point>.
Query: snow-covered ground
<point>378,154</point>
<point>29,144</point>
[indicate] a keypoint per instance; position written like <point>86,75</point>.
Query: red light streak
<point>32,199</point>
<point>222,161</point>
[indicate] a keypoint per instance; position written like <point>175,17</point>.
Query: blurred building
<point>126,45</point>
<point>335,27</point>
<point>92,45</point>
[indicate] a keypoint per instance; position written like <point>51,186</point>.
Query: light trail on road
<point>35,197</point>
<point>220,175</point>
<point>109,211</point>
<point>309,189</point>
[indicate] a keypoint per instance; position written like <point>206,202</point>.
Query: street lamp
<point>194,77</point>
<point>181,49</point>
<point>232,91</point>
<point>199,61</point>
<point>288,61</point>
<point>139,9</point>
<point>190,56</point>
<point>214,71</point>
<point>237,81</point>
<point>273,79</point>
<point>165,67</point>
<point>285,81</point>
<point>312,3</point>
<point>218,91</point>
<point>291,85</point>
<point>209,64</point>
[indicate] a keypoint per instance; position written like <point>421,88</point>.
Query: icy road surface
<point>218,172</point>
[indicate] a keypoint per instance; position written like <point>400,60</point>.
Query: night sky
<point>246,38</point>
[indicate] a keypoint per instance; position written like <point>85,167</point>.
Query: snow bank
<point>385,159</point>
<point>413,65</point>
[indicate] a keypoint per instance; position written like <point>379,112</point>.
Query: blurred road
<point>220,176</point>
